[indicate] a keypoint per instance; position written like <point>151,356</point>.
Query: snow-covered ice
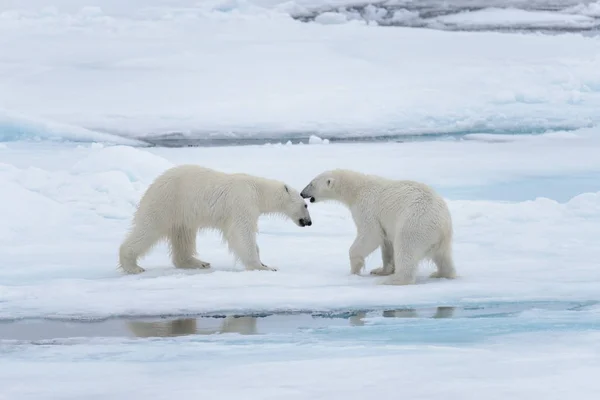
<point>314,139</point>
<point>18,127</point>
<point>536,249</point>
<point>217,70</point>
<point>66,206</point>
<point>514,150</point>
<point>518,18</point>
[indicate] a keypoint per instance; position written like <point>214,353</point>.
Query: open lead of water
<point>443,324</point>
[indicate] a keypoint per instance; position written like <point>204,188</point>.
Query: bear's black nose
<point>304,222</point>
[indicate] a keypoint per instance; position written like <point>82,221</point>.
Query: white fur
<point>188,198</point>
<point>407,219</point>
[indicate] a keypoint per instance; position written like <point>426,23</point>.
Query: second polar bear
<point>188,198</point>
<point>407,219</point>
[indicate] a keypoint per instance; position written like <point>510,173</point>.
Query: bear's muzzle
<point>305,194</point>
<point>304,222</point>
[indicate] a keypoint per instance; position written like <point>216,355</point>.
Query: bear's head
<point>321,188</point>
<point>294,207</point>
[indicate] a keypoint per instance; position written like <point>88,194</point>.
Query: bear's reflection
<point>440,312</point>
<point>190,326</point>
<point>248,325</point>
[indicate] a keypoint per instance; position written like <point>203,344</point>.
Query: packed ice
<point>216,70</point>
<point>504,125</point>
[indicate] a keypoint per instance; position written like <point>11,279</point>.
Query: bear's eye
<point>305,206</point>
<point>286,189</point>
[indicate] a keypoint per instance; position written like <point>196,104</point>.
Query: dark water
<point>204,140</point>
<point>281,323</point>
<point>207,139</point>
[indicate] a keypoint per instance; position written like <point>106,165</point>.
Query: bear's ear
<point>330,182</point>
<point>286,188</point>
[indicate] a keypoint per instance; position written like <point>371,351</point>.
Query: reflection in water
<point>248,325</point>
<point>243,325</point>
<point>440,312</point>
<point>189,326</point>
<point>269,324</point>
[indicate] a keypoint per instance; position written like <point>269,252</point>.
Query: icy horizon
<point>214,70</point>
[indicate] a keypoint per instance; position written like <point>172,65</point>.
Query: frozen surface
<point>17,127</point>
<point>528,278</point>
<point>520,322</point>
<point>495,15</point>
<point>518,18</point>
<point>66,209</point>
<point>217,70</point>
<point>591,9</point>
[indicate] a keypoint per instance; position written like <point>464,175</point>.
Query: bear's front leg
<point>265,267</point>
<point>387,256</point>
<point>243,244</point>
<point>364,244</point>
<point>183,249</point>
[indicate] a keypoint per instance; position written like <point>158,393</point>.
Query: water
<point>558,188</point>
<point>442,324</point>
<point>206,139</point>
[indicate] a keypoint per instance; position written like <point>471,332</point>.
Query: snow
<point>314,139</point>
<point>14,127</point>
<point>218,71</point>
<point>513,148</point>
<point>513,17</point>
<point>590,9</point>
<point>330,18</point>
<point>59,246</point>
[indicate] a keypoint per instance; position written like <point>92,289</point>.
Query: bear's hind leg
<point>138,242</point>
<point>410,247</point>
<point>183,249</point>
<point>444,262</point>
<point>406,268</point>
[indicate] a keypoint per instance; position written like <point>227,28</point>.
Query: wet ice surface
<point>498,349</point>
<point>388,325</point>
<point>559,188</point>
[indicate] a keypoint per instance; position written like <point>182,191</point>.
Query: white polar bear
<point>188,198</point>
<point>407,219</point>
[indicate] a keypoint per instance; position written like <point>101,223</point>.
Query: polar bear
<point>189,198</point>
<point>407,219</point>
